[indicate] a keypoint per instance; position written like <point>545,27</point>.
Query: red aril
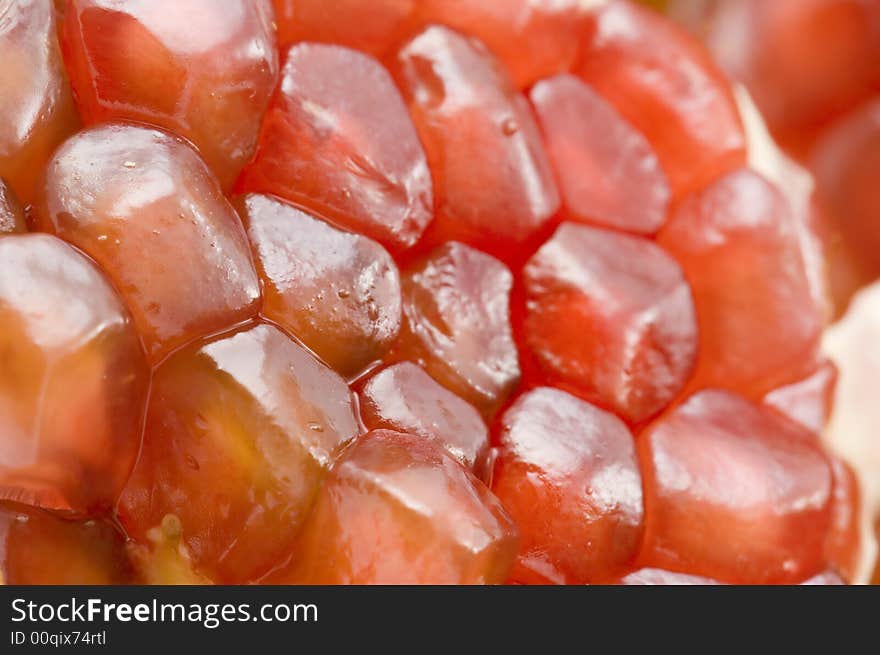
<point>35,100</point>
<point>610,317</point>
<point>758,319</point>
<point>666,84</point>
<point>404,398</point>
<point>338,292</point>
<point>397,509</point>
<point>567,472</point>
<point>73,380</point>
<point>462,103</point>
<point>457,324</point>
<point>239,433</point>
<point>337,140</point>
<point>11,213</point>
<point>200,68</point>
<point>607,171</point>
<point>734,492</point>
<point>143,205</point>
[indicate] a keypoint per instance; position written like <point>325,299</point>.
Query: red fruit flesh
<point>397,509</point>
<point>11,214</point>
<point>733,492</point>
<point>462,103</point>
<point>216,61</point>
<point>457,324</point>
<point>144,206</point>
<point>239,433</point>
<point>758,321</point>
<point>35,100</point>
<point>656,75</point>
<point>404,398</point>
<point>608,174</point>
<point>567,472</point>
<point>610,317</point>
<point>37,548</point>
<point>338,292</point>
<point>73,380</point>
<point>337,139</point>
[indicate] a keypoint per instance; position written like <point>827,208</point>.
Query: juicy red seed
<point>73,380</point>
<point>532,38</point>
<point>761,482</point>
<point>457,324</point>
<point>656,74</point>
<point>608,174</point>
<point>337,139</point>
<point>397,509</point>
<point>143,205</point>
<point>610,317</point>
<point>239,433</point>
<point>41,549</point>
<point>567,472</point>
<point>35,100</point>
<point>758,320</point>
<point>338,292</point>
<point>200,68</point>
<point>807,401</point>
<point>659,577</point>
<point>404,398</point>
<point>463,103</point>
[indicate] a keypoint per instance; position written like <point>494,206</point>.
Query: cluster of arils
<point>425,291</point>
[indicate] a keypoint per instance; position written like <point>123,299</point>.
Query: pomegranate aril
<point>532,38</point>
<point>608,174</point>
<point>337,139</point>
<point>807,401</point>
<point>397,509</point>
<point>567,472</point>
<point>665,83</point>
<point>404,398</point>
<point>376,26</point>
<point>239,433</point>
<point>73,381</point>
<point>339,293</point>
<point>35,99</point>
<point>610,317</point>
<point>12,217</point>
<point>846,163</point>
<point>463,103</point>
<point>733,492</point>
<point>758,319</point>
<point>146,208</point>
<point>41,549</point>
<point>201,68</point>
<point>843,547</point>
<point>456,308</point>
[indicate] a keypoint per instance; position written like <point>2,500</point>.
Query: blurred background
<point>812,67</point>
